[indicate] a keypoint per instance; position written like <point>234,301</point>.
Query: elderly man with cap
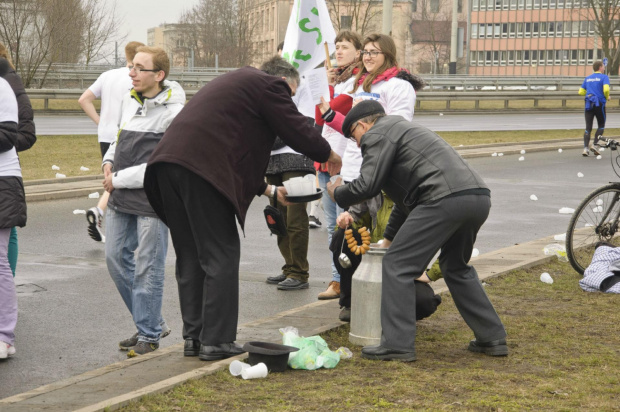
<point>440,203</point>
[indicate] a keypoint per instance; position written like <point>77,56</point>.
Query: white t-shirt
<point>111,86</point>
<point>9,162</point>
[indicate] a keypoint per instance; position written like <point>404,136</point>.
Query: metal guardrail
<point>83,78</point>
<point>472,83</point>
<point>71,76</point>
<point>422,96</point>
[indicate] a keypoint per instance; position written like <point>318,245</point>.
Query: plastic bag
<point>557,250</point>
<point>313,352</point>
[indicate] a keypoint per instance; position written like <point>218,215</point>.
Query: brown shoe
<point>332,292</point>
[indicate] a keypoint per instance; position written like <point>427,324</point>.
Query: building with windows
<point>270,19</point>
<point>532,38</point>
<point>170,37</point>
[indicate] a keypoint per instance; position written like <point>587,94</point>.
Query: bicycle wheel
<point>595,220</point>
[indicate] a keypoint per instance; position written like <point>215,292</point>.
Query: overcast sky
<point>139,15</point>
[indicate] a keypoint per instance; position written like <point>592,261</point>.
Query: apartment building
<point>170,37</point>
<point>532,38</point>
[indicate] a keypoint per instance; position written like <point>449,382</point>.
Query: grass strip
<point>564,355</point>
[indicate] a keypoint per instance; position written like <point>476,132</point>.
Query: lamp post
<point>454,36</point>
<point>387,16</point>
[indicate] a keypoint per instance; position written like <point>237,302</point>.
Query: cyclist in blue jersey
<point>595,88</point>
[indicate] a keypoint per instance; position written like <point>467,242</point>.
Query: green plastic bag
<point>313,352</point>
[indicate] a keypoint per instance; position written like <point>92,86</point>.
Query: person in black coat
<point>26,132</point>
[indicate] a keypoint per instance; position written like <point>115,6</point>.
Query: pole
<point>328,61</point>
<point>387,16</point>
<point>454,36</point>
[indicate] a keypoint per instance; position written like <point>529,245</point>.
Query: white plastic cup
<point>236,367</point>
<point>254,372</point>
<point>546,278</point>
<point>94,195</point>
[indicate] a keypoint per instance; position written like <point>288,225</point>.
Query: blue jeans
<point>331,210</point>
<point>135,250</point>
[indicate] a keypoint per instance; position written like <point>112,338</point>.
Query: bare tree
<point>606,16</point>
<point>39,33</point>
<point>222,28</point>
<point>362,16</point>
<point>101,27</point>
<point>431,26</point>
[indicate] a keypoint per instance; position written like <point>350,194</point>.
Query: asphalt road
<point>71,316</point>
<point>56,125</point>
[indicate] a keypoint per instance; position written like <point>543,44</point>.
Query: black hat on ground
<point>359,111</point>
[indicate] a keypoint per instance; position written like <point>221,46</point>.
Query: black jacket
<point>225,135</point>
<point>26,135</point>
<point>411,164</point>
<point>12,198</point>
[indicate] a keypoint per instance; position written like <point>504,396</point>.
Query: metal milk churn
<point>366,300</point>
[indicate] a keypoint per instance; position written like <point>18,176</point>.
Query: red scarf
<point>385,76</point>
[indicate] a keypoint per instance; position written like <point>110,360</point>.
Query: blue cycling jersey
<point>593,84</point>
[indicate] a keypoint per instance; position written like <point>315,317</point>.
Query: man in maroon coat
<point>205,172</point>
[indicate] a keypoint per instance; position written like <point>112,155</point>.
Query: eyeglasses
<point>353,130</point>
<point>371,53</point>
<point>139,70</point>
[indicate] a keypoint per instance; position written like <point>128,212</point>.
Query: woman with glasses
<point>373,74</point>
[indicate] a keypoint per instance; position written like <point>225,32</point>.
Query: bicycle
<point>596,219</point>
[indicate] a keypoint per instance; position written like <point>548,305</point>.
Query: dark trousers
<point>451,224</point>
<point>293,246</point>
<point>600,113</point>
<point>204,233</point>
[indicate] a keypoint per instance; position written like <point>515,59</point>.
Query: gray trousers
<point>451,225</point>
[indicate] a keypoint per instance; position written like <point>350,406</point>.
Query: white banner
<point>309,27</point>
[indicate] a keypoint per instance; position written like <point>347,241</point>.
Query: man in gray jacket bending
<point>440,203</point>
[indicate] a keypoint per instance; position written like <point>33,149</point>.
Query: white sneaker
<point>6,350</point>
<point>95,225</point>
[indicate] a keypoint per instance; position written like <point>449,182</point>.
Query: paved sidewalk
<point>118,384</point>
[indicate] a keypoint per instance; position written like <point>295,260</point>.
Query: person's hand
<point>345,219</point>
<point>331,76</point>
<point>334,163</point>
<point>385,244</point>
<point>323,106</point>
<point>424,278</point>
<point>331,187</point>
<point>107,169</point>
<point>282,196</point>
<point>107,183</point>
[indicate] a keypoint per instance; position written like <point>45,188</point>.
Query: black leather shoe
<point>492,348</point>
<point>191,348</point>
<point>378,352</point>
<point>221,351</point>
<point>274,280</point>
